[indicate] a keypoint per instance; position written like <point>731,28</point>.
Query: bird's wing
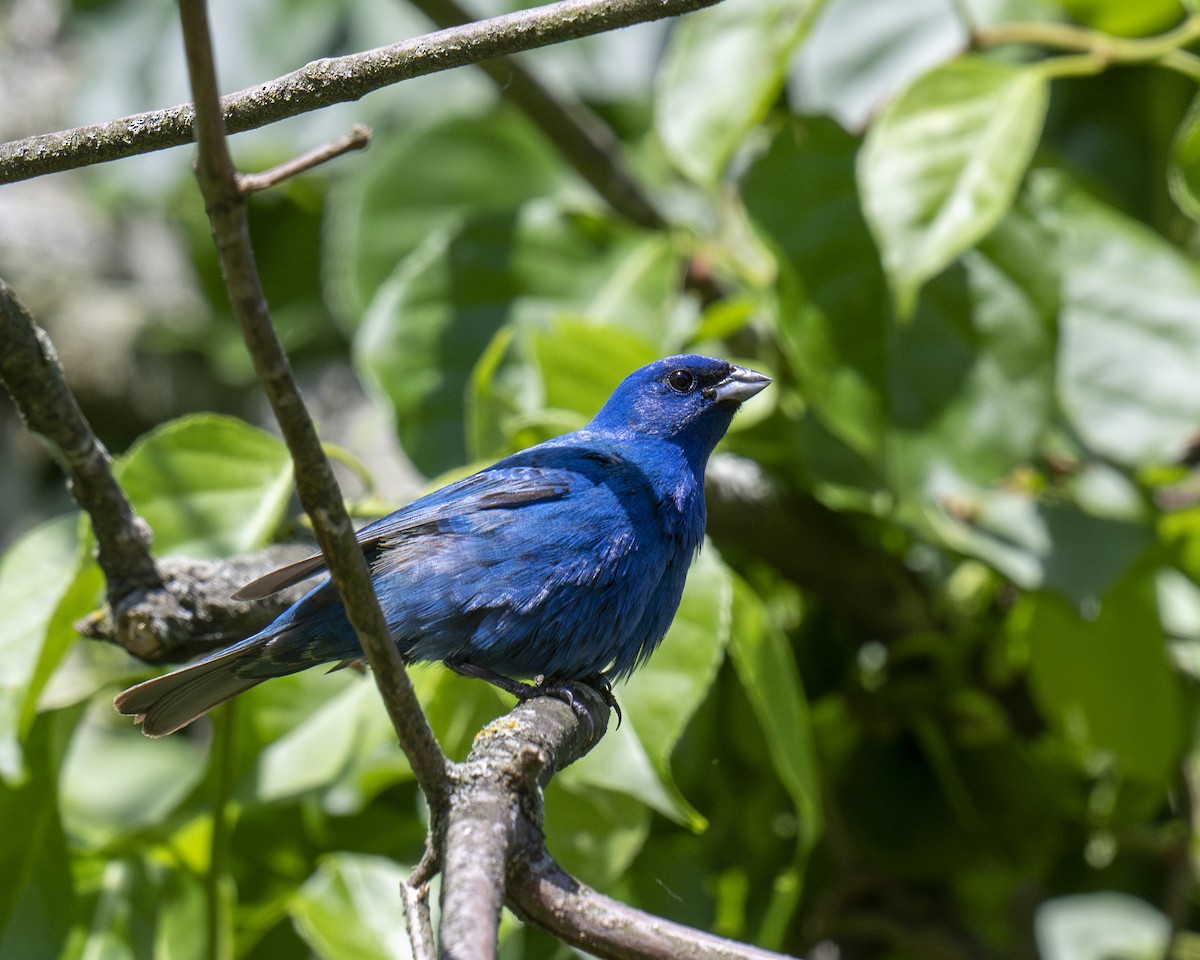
<point>493,489</point>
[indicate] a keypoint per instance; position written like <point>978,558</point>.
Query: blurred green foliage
<point>973,276</point>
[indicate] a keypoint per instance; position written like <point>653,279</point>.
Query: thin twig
<point>33,377</point>
<point>218,928</point>
<point>315,483</point>
<point>541,892</point>
<point>336,80</point>
<point>585,141</point>
<point>359,138</point>
<point>1099,49</point>
<point>417,919</point>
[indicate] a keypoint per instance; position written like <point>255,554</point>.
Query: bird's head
<point>688,399</point>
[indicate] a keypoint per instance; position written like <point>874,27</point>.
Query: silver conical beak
<point>741,384</point>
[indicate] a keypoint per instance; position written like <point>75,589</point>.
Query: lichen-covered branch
<point>496,797</point>
<point>315,484</point>
<point>323,83</point>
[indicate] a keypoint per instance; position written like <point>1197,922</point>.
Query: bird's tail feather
<point>170,702</point>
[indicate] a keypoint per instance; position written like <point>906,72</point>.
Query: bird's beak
<point>741,384</point>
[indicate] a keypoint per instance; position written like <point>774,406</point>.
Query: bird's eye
<point>681,381</point>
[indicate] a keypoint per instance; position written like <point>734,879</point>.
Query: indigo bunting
<point>565,561</point>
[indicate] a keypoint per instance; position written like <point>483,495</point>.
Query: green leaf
<point>35,573</point>
<point>37,895</point>
<point>593,832</point>
<point>619,762</point>
<point>1122,18</point>
<point>320,749</point>
<point>209,486</point>
<point>1129,344</point>
<point>351,908</point>
<point>156,776</point>
<point>971,375</point>
<point>941,165</point>
<point>705,105</point>
<point>832,324</point>
<point>660,698</point>
<point>1183,173</point>
<point>767,670</point>
<point>426,182</point>
<point>581,363</point>
<point>1102,680</point>
<point>436,317</point>
<point>146,906</point>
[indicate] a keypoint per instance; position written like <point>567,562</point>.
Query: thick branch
<point>193,612</point>
<point>315,483</point>
<point>31,373</point>
<point>336,80</point>
<point>496,796</point>
<point>583,139</point>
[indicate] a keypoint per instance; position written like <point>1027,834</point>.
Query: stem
<point>359,138</point>
<point>217,887</point>
<point>32,375</point>
<point>315,483</point>
<point>335,80</point>
<point>1100,49</point>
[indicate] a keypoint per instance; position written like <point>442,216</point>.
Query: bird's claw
<point>563,690</point>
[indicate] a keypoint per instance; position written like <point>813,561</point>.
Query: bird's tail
<point>172,701</point>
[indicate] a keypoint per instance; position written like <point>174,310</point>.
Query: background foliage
<point>973,275</point>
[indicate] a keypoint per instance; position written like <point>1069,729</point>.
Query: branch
<point>582,138</point>
<point>193,612</point>
<point>335,80</point>
<point>541,892</point>
<point>359,138</point>
<point>160,612</point>
<point>497,797</point>
<point>33,377</point>
<point>315,483</point>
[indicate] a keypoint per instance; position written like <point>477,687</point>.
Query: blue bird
<point>565,561</point>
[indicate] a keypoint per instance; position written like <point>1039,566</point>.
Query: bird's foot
<point>564,690</point>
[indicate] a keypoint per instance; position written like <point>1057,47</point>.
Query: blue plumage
<point>566,560</point>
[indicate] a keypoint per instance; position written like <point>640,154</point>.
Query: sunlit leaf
<point>724,68</point>
<point>37,896</point>
<point>208,485</point>
<point>1097,926</point>
<point>661,697</point>
<point>1124,19</point>
<point>436,316</point>
<point>1183,175</point>
<point>429,181</point>
<point>34,574</point>
<point>832,324</point>
<point>943,162</point>
<point>351,908</point>
<point>1129,345</point>
<point>156,775</point>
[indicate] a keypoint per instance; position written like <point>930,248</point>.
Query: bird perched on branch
<point>565,561</point>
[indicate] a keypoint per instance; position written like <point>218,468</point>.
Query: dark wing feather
<point>492,489</point>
